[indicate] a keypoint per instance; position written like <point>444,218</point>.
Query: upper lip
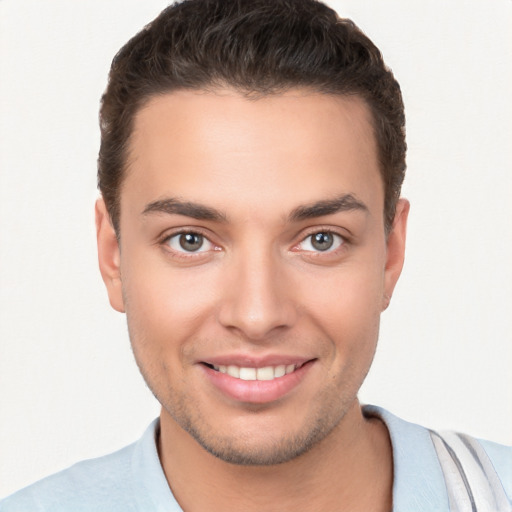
<point>248,361</point>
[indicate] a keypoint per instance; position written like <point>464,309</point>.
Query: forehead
<point>226,150</point>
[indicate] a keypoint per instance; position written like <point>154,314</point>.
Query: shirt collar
<point>418,481</point>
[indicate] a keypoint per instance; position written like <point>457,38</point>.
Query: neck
<point>350,469</point>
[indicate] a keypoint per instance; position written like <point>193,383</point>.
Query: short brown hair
<point>258,47</point>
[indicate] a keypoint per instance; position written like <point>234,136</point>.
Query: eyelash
<point>344,241</point>
<point>164,242</point>
<point>195,254</point>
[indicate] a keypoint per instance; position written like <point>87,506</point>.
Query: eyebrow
<point>343,203</point>
<point>174,206</point>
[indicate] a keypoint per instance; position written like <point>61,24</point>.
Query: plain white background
<point>69,388</point>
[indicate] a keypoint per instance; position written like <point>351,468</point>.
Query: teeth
<point>234,371</point>
<point>280,370</point>
<point>265,373</point>
<point>248,373</point>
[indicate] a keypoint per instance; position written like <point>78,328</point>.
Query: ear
<point>109,257</point>
<point>395,250</point>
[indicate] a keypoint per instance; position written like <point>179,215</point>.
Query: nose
<point>257,297</point>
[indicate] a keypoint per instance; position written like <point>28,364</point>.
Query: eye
<point>322,241</point>
<point>189,242</point>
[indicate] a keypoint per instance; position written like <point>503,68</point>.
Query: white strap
<point>471,480</point>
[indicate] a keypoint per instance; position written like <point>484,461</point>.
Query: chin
<point>267,450</point>
<point>256,439</point>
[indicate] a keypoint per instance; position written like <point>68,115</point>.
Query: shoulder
<point>476,472</point>
<point>103,480</point>
<point>127,480</point>
<point>497,456</point>
<point>438,470</point>
<point>501,459</point>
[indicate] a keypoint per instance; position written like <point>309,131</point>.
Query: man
<point>251,228</point>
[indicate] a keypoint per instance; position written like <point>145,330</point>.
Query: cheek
<point>346,305</point>
<point>351,294</point>
<point>165,305</point>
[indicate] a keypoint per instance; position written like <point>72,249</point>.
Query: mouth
<point>247,383</point>
<point>265,373</point>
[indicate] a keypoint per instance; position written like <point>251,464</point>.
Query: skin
<point>259,288</point>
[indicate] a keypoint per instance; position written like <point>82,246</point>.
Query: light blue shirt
<point>132,479</point>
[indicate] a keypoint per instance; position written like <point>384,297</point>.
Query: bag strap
<point>471,480</point>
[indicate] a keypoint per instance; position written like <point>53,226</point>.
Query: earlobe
<point>109,257</point>
<point>395,251</point>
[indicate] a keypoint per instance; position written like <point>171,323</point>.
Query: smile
<point>265,373</point>
<point>256,382</point>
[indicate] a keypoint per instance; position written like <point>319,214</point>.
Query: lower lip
<point>256,391</point>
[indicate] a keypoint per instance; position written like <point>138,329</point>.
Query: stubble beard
<point>239,448</point>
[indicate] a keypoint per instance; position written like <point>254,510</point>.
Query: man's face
<point>253,265</point>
